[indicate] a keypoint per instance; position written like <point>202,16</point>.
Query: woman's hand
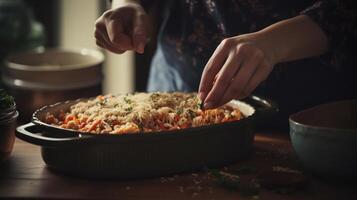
<point>236,68</point>
<point>240,63</point>
<point>122,29</point>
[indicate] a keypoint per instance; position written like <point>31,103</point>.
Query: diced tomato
<point>100,97</point>
<point>83,124</point>
<point>95,124</point>
<point>160,124</point>
<point>71,118</point>
<point>177,118</point>
<point>185,125</point>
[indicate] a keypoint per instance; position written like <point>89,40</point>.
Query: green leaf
<point>6,101</point>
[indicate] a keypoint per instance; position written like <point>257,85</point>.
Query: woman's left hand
<point>236,68</point>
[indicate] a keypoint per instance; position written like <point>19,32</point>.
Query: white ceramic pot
<point>36,79</point>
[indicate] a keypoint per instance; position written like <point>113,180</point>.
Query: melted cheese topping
<point>141,112</point>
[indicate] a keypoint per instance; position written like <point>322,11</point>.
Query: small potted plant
<point>8,116</point>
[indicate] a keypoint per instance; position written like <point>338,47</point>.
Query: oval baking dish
<point>144,154</point>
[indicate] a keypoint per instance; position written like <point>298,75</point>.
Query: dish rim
<point>37,121</point>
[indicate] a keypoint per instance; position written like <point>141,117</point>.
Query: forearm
<point>293,39</point>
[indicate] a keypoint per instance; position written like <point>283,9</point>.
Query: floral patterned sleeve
<point>337,18</point>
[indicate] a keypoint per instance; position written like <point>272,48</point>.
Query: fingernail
<point>141,47</point>
<point>208,105</point>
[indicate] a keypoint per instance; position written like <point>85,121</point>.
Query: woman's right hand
<point>122,29</point>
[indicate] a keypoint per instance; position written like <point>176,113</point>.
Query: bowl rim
<point>11,119</point>
<point>10,60</point>
<point>315,127</point>
<point>36,120</point>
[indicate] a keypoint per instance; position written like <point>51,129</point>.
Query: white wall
<point>77,19</point>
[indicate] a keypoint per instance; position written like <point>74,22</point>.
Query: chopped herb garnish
<point>154,96</point>
<point>127,100</point>
<point>228,181</point>
<point>200,105</point>
<point>140,124</point>
<point>179,111</point>
<point>129,109</point>
<point>232,182</point>
<point>102,103</point>
<point>191,113</point>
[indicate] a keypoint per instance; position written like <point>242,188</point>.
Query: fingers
<point>223,80</point>
<point>103,41</point>
<point>236,89</point>
<point>243,70</point>
<point>259,76</point>
<point>112,31</point>
<point>109,47</point>
<point>117,36</point>
<point>212,67</point>
<point>139,34</point>
<point>122,29</point>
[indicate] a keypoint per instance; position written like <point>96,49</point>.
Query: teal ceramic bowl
<point>325,138</point>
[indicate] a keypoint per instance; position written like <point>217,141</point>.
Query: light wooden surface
<point>25,176</point>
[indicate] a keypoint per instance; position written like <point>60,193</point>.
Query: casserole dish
<point>143,155</point>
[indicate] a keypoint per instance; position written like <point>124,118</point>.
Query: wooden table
<point>25,176</point>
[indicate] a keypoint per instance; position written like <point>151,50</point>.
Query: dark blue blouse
<point>192,29</point>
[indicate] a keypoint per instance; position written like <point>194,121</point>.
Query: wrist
<point>287,40</point>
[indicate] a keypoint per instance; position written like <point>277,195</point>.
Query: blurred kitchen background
<point>33,24</point>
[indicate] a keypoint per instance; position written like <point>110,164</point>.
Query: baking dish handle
<point>266,111</point>
<point>31,133</point>
<point>264,106</point>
